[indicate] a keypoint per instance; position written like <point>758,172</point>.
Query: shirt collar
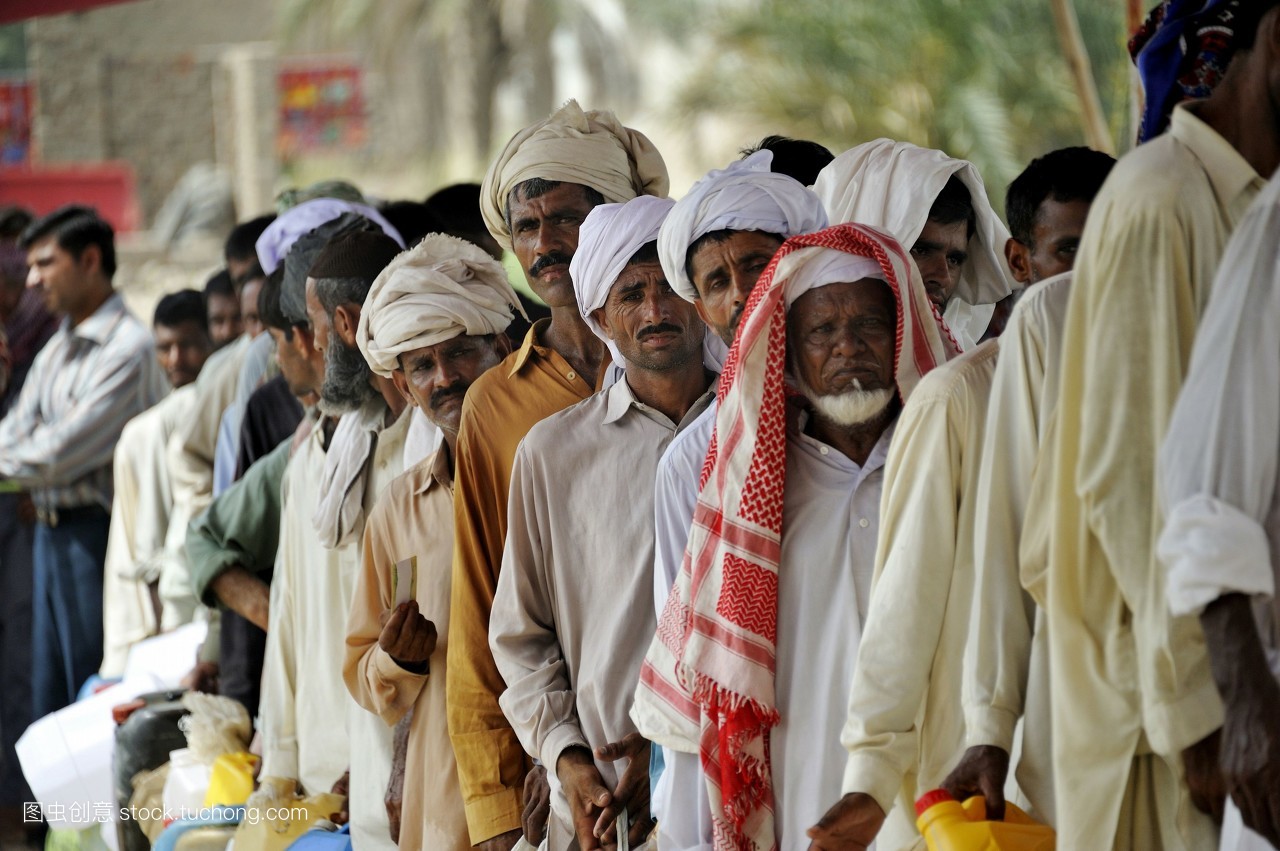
<point>97,328</point>
<point>438,472</point>
<point>1229,173</point>
<point>619,399</point>
<point>527,348</point>
<point>875,460</point>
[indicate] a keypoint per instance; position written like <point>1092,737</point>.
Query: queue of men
<point>807,493</point>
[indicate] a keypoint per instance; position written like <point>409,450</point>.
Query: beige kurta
<point>140,519</point>
<point>1126,680</point>
<point>1006,658</point>
<point>413,518</point>
<point>573,613</point>
<point>216,388</point>
<point>904,732</point>
<point>311,728</point>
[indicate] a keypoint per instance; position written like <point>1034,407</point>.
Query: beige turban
<point>572,146</point>
<point>439,289</point>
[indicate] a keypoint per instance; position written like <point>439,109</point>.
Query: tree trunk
<point>1095,123</point>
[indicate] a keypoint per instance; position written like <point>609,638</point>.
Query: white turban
<point>828,267</point>
<point>746,195</point>
<point>610,235</point>
<point>281,234</point>
<point>589,148</point>
<point>439,289</point>
<point>892,185</point>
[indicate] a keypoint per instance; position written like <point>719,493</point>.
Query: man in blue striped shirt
<point>98,371</point>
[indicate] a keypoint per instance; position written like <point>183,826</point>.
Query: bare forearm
<point>1236,655</point>
<point>245,594</point>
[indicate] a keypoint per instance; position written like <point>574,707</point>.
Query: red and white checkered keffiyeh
<point>707,683</point>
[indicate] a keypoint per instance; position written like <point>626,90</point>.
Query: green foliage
<point>980,79</point>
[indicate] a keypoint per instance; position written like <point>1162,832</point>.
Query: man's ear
<point>1019,257</point>
<point>603,321</point>
<point>503,345</point>
<point>401,381</point>
<point>346,318</point>
<point>90,258</point>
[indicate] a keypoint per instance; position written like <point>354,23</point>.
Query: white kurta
<point>1005,673</point>
<point>904,732</point>
<point>1220,461</point>
<point>140,518</point>
<point>571,616</point>
<point>312,730</point>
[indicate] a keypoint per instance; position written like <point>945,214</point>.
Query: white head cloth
<point>610,235</point>
<point>892,185</point>
<point>828,267</point>
<point>281,234</point>
<point>435,291</point>
<point>591,148</point>
<point>745,195</point>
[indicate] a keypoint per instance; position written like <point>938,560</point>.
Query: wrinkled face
<point>544,236</point>
<point>1055,236</point>
<point>224,319</point>
<point>436,378</point>
<point>840,339</point>
<point>940,253</point>
<point>182,350</point>
<point>318,317</point>
<point>653,327</point>
<point>61,279</point>
<point>725,272</point>
<point>296,358</point>
<point>250,321</point>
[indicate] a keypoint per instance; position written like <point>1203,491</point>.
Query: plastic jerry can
<point>950,826</point>
<point>146,731</point>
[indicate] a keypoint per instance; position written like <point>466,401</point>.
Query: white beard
<point>849,408</point>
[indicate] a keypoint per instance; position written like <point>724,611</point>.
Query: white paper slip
<point>406,576</point>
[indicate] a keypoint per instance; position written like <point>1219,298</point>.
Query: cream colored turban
<point>572,146</point>
<point>439,289</point>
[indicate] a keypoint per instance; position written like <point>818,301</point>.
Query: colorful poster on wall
<point>322,108</point>
<point>15,121</point>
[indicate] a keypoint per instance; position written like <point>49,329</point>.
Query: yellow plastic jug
<point>231,781</point>
<point>947,825</point>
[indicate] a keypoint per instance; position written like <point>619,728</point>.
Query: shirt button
<point>572,376</point>
<point>864,523</point>
<point>824,450</point>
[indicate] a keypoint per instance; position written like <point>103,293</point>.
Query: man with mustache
<point>714,246</point>
<point>571,615</point>
<point>432,323</point>
<point>534,198</point>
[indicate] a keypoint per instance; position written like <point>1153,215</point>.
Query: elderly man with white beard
<point>737,672</point>
<point>715,244</point>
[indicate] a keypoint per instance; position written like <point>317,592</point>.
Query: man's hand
<point>1204,777</point>
<point>341,789</point>
<point>632,791</point>
<point>393,800</point>
<point>1249,749</point>
<point>243,593</point>
<point>502,842</point>
<point>408,637</point>
<point>851,825</point>
<point>982,771</point>
<point>586,792</point>
<point>203,677</point>
<point>537,805</point>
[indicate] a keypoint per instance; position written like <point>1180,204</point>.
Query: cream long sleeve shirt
<point>904,732</point>
<point>1126,678</point>
<point>140,520</point>
<point>1005,669</point>
<point>573,615</point>
<point>413,518</point>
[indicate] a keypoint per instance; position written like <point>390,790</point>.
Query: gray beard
<point>348,380</point>
<point>849,408</point>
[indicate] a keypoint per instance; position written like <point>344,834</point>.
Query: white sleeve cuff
<point>1211,548</point>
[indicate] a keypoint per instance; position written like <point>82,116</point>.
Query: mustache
<point>660,328</point>
<point>440,394</point>
<point>551,258</point>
